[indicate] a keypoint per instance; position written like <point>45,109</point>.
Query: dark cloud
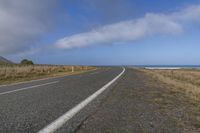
<point>22,22</point>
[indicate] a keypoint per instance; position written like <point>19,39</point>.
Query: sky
<point>101,32</point>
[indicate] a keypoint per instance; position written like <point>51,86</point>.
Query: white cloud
<point>191,13</point>
<point>132,30</point>
<point>22,22</point>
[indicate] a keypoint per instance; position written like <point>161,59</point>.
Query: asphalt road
<point>29,107</point>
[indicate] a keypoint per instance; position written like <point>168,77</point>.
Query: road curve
<point>29,107</point>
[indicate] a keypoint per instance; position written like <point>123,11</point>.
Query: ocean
<point>167,66</point>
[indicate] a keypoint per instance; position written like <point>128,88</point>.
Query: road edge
<point>47,78</point>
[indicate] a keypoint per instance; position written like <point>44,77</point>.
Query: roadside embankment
<point>19,73</point>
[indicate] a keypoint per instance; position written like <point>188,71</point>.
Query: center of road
<point>94,73</point>
<point>59,122</point>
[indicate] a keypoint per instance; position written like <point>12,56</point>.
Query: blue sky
<point>101,32</point>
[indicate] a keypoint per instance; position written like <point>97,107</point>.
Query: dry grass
<point>188,81</point>
<point>15,73</point>
<point>182,95</point>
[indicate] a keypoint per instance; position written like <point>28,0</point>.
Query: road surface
<point>32,106</point>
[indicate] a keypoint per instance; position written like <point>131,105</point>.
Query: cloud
<point>191,13</point>
<point>22,22</point>
<point>132,30</point>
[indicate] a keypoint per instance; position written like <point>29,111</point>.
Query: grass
<point>16,73</point>
<point>186,80</point>
<point>197,123</point>
<point>178,96</point>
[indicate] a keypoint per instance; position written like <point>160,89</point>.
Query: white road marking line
<point>25,82</point>
<point>52,127</point>
<point>30,87</point>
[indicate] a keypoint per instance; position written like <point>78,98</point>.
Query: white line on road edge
<point>28,87</point>
<point>52,127</point>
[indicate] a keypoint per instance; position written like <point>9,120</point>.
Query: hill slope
<point>4,61</point>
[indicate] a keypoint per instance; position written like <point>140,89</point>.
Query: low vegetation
<point>26,62</point>
<point>187,80</point>
<point>179,95</point>
<point>16,73</point>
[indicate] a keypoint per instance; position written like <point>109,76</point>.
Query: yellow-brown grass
<point>16,73</point>
<point>188,81</point>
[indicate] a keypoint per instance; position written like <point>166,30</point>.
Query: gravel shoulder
<point>139,104</point>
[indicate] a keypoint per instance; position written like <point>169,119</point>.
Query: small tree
<point>26,62</point>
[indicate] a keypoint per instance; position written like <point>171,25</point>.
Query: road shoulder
<point>139,104</point>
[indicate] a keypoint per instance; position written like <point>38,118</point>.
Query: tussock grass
<point>188,81</point>
<point>14,73</point>
<point>197,123</point>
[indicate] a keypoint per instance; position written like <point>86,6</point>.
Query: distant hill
<point>4,61</point>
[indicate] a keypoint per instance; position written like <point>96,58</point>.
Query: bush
<point>26,62</point>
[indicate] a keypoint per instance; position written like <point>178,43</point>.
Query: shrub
<point>26,62</point>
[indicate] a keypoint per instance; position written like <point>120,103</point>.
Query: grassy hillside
<point>16,73</point>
